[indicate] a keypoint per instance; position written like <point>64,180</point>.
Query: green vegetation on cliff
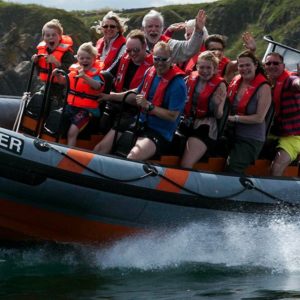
<point>278,18</point>
<point>20,27</point>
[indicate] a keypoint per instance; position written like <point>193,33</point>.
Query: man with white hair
<point>153,24</point>
<point>189,65</point>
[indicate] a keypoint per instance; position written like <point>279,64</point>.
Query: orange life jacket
<point>65,45</point>
<point>203,97</point>
<point>81,94</point>
<point>112,53</point>
<point>138,76</point>
<point>250,91</point>
<point>162,86</point>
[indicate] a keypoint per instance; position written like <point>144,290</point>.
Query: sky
<point>99,4</point>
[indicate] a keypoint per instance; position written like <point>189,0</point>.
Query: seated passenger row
<point>160,97</point>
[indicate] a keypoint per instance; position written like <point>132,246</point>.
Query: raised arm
<point>249,41</point>
<point>183,50</point>
<point>174,28</point>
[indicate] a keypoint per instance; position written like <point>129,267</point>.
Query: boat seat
<point>214,164</point>
<point>261,167</point>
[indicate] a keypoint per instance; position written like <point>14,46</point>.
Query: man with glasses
<point>128,73</point>
<point>153,25</point>
<point>161,98</point>
<point>286,127</point>
<point>217,43</point>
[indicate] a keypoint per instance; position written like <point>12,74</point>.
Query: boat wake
<point>273,246</point>
<point>237,245</point>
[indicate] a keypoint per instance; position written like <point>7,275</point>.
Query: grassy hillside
<point>279,18</point>
<point>31,18</point>
<point>20,26</point>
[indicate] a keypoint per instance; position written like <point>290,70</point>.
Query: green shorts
<point>242,154</point>
<point>291,145</point>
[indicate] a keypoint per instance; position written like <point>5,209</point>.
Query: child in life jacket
<point>86,84</point>
<point>54,51</point>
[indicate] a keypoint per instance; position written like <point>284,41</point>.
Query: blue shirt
<point>174,100</point>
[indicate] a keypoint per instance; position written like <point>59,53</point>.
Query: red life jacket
<point>164,38</point>
<point>138,76</point>
<point>190,65</point>
<point>251,90</point>
<point>289,110</point>
<point>277,90</point>
<point>112,53</point>
<point>65,45</point>
<point>205,95</point>
<point>222,65</point>
<point>81,94</point>
<point>162,86</point>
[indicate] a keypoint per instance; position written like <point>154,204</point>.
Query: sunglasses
<point>134,50</point>
<point>109,26</point>
<point>216,49</point>
<point>161,59</point>
<point>274,63</point>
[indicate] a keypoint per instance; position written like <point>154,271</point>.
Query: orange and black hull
<point>51,192</point>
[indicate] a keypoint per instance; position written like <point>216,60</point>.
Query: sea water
<point>239,260</point>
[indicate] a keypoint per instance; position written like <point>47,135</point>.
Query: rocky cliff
<point>20,29</point>
<point>20,32</point>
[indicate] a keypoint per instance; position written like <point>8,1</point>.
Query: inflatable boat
<point>52,192</point>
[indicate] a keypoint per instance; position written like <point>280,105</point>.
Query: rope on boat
<point>44,146</point>
<point>249,185</point>
<point>196,193</point>
<point>245,182</point>
<point>150,170</point>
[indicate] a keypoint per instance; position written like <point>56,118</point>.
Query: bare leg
<point>281,161</point>
<point>143,149</point>
<point>105,145</point>
<point>194,150</point>
<point>72,135</point>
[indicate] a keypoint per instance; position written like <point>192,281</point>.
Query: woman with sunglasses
<point>250,97</point>
<point>112,45</point>
<point>206,98</point>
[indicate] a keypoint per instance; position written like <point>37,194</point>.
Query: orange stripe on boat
<point>83,157</point>
<point>179,176</point>
<point>25,222</point>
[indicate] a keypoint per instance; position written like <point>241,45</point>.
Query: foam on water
<point>233,244</point>
<point>237,243</point>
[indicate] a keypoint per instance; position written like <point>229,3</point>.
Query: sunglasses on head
<point>109,26</point>
<point>275,63</point>
<point>134,50</point>
<point>160,59</point>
